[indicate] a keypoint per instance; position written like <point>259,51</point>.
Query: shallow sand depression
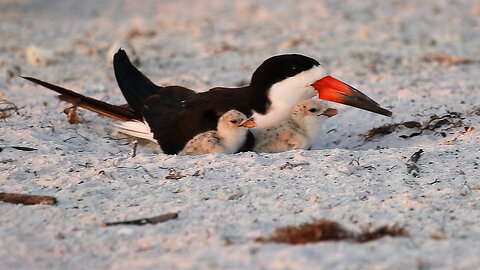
<point>421,60</point>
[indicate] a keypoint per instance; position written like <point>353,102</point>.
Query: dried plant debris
<point>436,124</point>
<point>134,148</point>
<point>452,119</point>
<point>412,163</point>
<point>27,199</point>
<point>390,128</point>
<point>322,230</point>
<point>144,221</point>
<point>7,109</point>
<point>393,231</point>
<point>448,60</point>
<point>174,175</point>
<point>328,230</point>
<point>290,166</point>
<point>462,133</point>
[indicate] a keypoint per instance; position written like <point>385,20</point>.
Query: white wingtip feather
<point>135,129</point>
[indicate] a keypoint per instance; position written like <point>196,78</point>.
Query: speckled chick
<point>301,130</point>
<point>230,135</point>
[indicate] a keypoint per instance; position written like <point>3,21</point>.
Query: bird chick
<point>230,135</point>
<point>301,130</point>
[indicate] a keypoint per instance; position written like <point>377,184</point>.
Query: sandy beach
<point>420,59</point>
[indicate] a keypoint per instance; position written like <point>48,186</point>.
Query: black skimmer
<point>230,135</point>
<point>175,114</point>
<point>301,130</point>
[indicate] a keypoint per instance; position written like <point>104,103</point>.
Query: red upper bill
<point>331,89</point>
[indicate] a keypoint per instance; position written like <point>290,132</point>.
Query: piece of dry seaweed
<point>328,230</point>
<point>393,231</point>
<point>446,121</point>
<point>390,128</point>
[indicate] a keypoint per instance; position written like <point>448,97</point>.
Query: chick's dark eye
<point>312,110</point>
<point>234,121</point>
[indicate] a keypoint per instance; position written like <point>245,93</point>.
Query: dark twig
<point>85,138</point>
<point>117,139</point>
<point>27,199</point>
<point>134,148</point>
<point>144,221</point>
<point>435,182</point>
<point>416,156</point>
<point>411,163</point>
<point>21,148</point>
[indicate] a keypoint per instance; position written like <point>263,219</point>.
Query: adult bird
<point>175,114</point>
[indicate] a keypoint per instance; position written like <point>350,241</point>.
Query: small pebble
<point>38,57</point>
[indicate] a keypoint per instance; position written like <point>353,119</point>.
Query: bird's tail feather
<point>95,105</point>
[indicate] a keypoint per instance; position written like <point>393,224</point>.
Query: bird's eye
<point>234,121</point>
<point>312,110</point>
<point>294,67</point>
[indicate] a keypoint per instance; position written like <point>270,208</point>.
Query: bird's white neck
<point>285,94</point>
<point>232,138</point>
<point>278,112</point>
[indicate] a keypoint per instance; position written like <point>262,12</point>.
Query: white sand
<point>376,46</point>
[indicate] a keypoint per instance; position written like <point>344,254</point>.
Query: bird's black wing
<point>174,121</point>
<point>136,87</point>
<point>173,124</point>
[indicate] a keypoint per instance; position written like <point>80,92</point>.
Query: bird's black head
<point>280,67</point>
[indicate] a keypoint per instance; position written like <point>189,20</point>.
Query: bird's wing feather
<point>174,121</point>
